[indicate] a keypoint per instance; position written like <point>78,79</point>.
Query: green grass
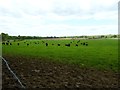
<point>100,54</point>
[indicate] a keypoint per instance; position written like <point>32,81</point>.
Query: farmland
<point>100,56</point>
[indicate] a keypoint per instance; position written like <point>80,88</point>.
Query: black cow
<point>10,43</point>
<point>67,45</point>
<point>58,44</point>
<point>3,43</point>
<point>46,44</point>
<point>18,44</point>
<point>76,44</point>
<point>86,44</point>
<point>7,43</point>
<point>27,44</point>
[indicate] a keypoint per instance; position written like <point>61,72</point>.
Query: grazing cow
<point>27,44</point>
<point>3,43</point>
<point>76,44</point>
<point>18,44</point>
<point>7,43</point>
<point>86,44</point>
<point>58,44</point>
<point>10,43</point>
<point>46,44</point>
<point>67,45</point>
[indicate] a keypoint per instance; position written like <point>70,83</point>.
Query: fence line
<point>22,86</point>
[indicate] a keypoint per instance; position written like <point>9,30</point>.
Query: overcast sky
<point>58,17</point>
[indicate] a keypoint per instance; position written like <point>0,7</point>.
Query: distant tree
<point>4,36</point>
<point>85,36</point>
<point>114,36</point>
<point>22,37</point>
<point>18,36</point>
<point>81,36</point>
<point>102,36</point>
<point>105,36</point>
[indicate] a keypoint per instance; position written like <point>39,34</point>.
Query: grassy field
<point>100,54</point>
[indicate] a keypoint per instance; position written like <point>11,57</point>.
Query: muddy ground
<point>41,73</point>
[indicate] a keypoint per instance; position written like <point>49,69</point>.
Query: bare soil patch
<point>40,73</point>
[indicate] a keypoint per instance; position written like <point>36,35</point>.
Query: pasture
<point>98,55</point>
<point>102,54</point>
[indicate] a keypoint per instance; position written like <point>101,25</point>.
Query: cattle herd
<point>78,43</point>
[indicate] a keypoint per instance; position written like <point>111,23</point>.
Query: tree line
<point>6,37</point>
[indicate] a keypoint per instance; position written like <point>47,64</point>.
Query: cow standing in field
<point>46,44</point>
<point>27,44</point>
<point>67,45</point>
<point>7,43</point>
<point>86,44</point>
<point>10,43</point>
<point>58,44</point>
<point>18,44</point>
<point>76,44</point>
<point>3,43</point>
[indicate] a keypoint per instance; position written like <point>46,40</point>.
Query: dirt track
<point>41,73</point>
